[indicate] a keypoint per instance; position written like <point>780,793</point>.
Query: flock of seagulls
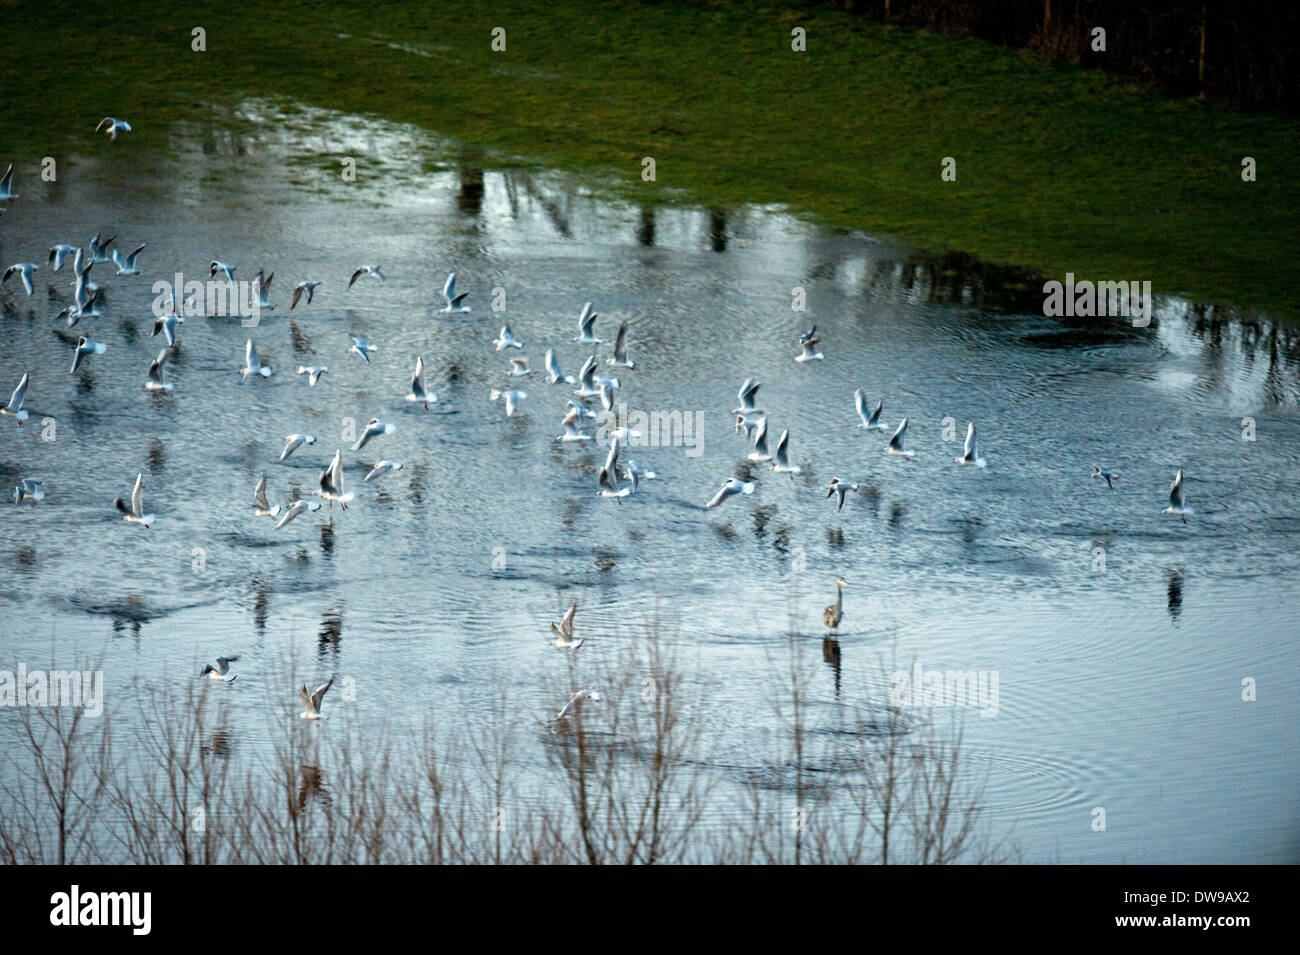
<point>611,484</point>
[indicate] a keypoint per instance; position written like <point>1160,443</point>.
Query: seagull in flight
<point>896,442</point>
<point>99,249</point>
<point>294,509</point>
<point>382,468</point>
<point>126,264</point>
<point>262,282</point>
<point>362,348</point>
<point>331,484</point>
<point>220,670</point>
<point>970,452</point>
<point>1177,504</point>
<point>760,452</point>
<point>576,701</point>
<point>371,270</point>
<point>564,631</point>
<point>261,506</point>
<point>7,193</point>
<point>59,253</point>
<point>313,373</point>
<point>155,381</point>
<point>311,701</point>
<point>229,270</point>
<point>374,429</point>
<point>453,300</point>
<point>573,429</point>
<point>607,480</point>
<point>554,374</point>
<point>519,368</point>
<point>85,346</point>
<point>506,339</point>
<point>746,394</point>
<point>620,358</point>
<point>29,489</point>
<point>512,399</point>
<point>781,461</point>
<point>295,441</point>
<point>1109,476</point>
<point>418,392</point>
<point>252,364</point>
<point>636,473</point>
<point>15,407</point>
<point>24,270</point>
<point>808,341</point>
<point>308,287</point>
<point>840,488</point>
<point>134,514</point>
<point>166,325</point>
<point>870,422</point>
<point>113,126</point>
<point>731,486</point>
<point>585,322</point>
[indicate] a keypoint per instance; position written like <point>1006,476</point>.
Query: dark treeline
<point>1245,52</point>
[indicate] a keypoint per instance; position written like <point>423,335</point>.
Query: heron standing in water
<point>833,614</point>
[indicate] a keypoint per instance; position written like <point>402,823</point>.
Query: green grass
<point>1058,168</point>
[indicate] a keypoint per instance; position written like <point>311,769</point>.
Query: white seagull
<point>311,701</point>
<point>896,442</point>
<point>573,428</point>
<point>15,407</point>
<point>781,460</point>
<point>166,325</point>
<point>554,374</point>
<point>308,287</point>
<point>28,489</point>
<point>576,701</point>
<point>418,392</point>
<point>970,452</point>
<point>636,473</point>
<point>747,392</point>
<point>809,340</point>
<point>85,346</point>
<point>453,300</point>
<point>362,348</point>
<point>607,480</point>
<point>374,429</point>
<point>840,488</point>
<point>1109,476</point>
<point>294,509</point>
<point>331,483</point>
<point>585,322</point>
<point>99,248</point>
<point>155,381</point>
<point>313,373</point>
<point>564,631</point>
<point>126,264</point>
<point>113,126</point>
<point>507,339</point>
<point>292,442</point>
<point>134,514</point>
<point>512,399</point>
<point>262,282</point>
<point>519,368</point>
<point>760,452</point>
<point>620,358</point>
<point>24,270</point>
<point>1177,505</point>
<point>229,270</point>
<point>371,270</point>
<point>382,468</point>
<point>730,487</point>
<point>252,364</point>
<point>261,506</point>
<point>870,422</point>
<point>7,193</point>
<point>220,670</point>
<point>59,253</point>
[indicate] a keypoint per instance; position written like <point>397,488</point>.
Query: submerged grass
<point>1058,168</point>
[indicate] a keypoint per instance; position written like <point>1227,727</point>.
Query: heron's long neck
<point>839,596</point>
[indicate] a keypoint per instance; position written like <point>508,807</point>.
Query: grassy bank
<point>1057,168</point>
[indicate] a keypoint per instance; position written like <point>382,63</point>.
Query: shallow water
<point>1118,687</point>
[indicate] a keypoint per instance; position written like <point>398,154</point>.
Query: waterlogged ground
<point>1119,640</point>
